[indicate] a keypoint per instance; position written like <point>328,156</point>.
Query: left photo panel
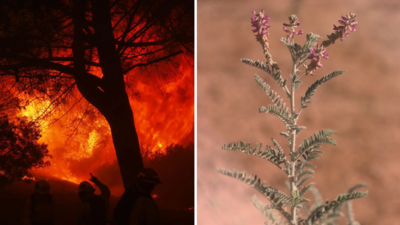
<point>97,112</point>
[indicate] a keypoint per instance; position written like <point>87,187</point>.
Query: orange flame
<point>160,120</point>
<point>28,178</point>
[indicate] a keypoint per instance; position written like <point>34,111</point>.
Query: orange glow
<point>161,120</point>
<point>168,119</point>
<point>28,178</point>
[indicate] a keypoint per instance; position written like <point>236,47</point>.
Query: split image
<point>208,112</point>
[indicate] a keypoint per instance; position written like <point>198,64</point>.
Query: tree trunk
<point>126,142</point>
<point>111,100</point>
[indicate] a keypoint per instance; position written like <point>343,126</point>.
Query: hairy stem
<point>302,62</point>
<point>292,170</point>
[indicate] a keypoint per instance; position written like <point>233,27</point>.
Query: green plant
<point>296,166</point>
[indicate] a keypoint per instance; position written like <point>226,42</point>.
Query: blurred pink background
<point>362,105</point>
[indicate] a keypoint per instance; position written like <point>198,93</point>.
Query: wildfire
<point>86,148</point>
<point>35,110</point>
<point>28,178</point>
<point>161,120</point>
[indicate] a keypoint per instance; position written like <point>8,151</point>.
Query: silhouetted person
<point>39,209</point>
<point>93,208</point>
<point>136,206</point>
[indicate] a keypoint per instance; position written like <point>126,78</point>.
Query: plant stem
<point>304,72</point>
<point>302,62</point>
<point>293,145</point>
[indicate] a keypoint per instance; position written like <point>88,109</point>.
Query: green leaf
<point>297,199</point>
<point>276,197</point>
<point>276,76</point>
<point>267,211</point>
<point>306,148</point>
<point>295,194</point>
<point>310,166</point>
<point>277,146</point>
<point>297,84</point>
<point>357,187</point>
<point>286,41</point>
<point>351,196</point>
<point>349,211</point>
<point>305,188</point>
<point>317,197</point>
<point>275,98</point>
<point>274,155</point>
<point>312,89</point>
<point>304,172</point>
<point>299,183</point>
<point>285,134</point>
<point>279,112</point>
<point>319,212</point>
<point>302,200</point>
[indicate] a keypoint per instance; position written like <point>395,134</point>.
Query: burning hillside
<point>80,141</point>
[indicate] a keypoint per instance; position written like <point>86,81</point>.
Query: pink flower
<point>316,54</point>
<point>348,23</point>
<point>259,23</point>
<point>289,28</point>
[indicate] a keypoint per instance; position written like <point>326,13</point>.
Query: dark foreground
<point>13,198</point>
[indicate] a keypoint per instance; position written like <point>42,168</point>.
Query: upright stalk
<point>292,169</point>
<point>309,148</point>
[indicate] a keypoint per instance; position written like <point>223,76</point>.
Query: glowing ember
<point>28,178</point>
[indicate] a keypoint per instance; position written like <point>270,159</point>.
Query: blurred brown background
<point>362,105</point>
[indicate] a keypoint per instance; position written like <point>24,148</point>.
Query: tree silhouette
<point>19,149</point>
<point>50,47</point>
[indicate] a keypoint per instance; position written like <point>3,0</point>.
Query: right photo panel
<point>298,112</point>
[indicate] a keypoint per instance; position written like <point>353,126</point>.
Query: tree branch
<point>152,61</point>
<point>71,59</point>
<point>46,64</point>
<point>142,44</point>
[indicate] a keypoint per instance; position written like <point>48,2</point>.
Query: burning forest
<point>80,141</point>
